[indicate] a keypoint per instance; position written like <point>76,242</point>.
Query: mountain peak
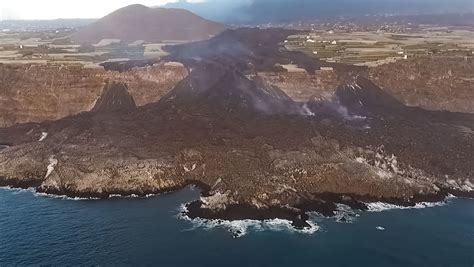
<point>138,22</point>
<point>215,88</point>
<point>135,7</point>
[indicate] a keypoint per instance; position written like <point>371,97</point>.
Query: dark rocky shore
<point>324,204</point>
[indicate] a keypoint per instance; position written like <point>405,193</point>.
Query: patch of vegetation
<point>86,49</point>
<point>404,37</point>
<point>42,49</point>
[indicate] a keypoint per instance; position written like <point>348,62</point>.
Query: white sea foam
<point>19,190</point>
<point>240,228</point>
<point>39,194</point>
<point>449,197</point>
<point>132,196</point>
<point>64,197</point>
<point>381,206</point>
<point>343,214</point>
<point>33,191</point>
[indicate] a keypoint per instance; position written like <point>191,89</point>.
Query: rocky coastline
<point>255,152</point>
<point>324,204</point>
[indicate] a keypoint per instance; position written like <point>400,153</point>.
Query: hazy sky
<point>222,9</point>
<point>53,9</point>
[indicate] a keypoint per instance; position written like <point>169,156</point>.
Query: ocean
<point>42,230</point>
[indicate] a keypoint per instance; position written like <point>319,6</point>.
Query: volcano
<point>221,89</point>
<point>138,22</point>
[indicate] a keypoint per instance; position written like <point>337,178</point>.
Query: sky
<point>228,10</point>
<point>54,9</point>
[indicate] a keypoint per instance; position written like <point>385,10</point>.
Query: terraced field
<point>378,48</point>
<point>25,48</point>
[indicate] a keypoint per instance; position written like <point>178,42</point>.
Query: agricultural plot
<point>27,48</point>
<point>376,48</point>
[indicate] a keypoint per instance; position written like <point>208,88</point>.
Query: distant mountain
<point>138,22</point>
<point>260,11</point>
<point>33,25</point>
<point>217,10</point>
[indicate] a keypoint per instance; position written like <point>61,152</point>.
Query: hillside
<point>138,22</point>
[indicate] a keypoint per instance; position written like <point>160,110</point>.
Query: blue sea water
<point>36,230</point>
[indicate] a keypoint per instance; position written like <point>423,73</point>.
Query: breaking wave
<point>39,194</point>
<point>382,206</point>
<point>343,214</point>
<point>17,190</point>
<point>63,197</point>
<point>239,228</point>
<point>132,196</point>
